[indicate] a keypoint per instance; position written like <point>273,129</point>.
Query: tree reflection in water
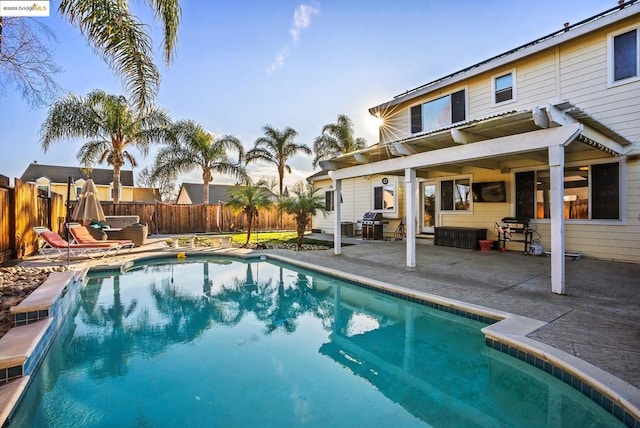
<point>178,312</point>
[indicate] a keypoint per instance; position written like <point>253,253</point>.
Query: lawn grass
<point>266,238</point>
<point>279,237</point>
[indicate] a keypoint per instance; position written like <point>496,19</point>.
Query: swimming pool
<point>223,342</point>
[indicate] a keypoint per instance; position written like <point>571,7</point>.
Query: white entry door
<point>428,196</point>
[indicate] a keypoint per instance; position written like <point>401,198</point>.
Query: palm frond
<point>69,117</point>
<point>169,13</point>
<point>93,152</point>
<point>120,38</point>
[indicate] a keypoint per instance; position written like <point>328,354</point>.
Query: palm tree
<point>189,146</point>
<point>336,139</point>
<point>248,200</point>
<point>303,205</point>
<point>123,42</point>
<point>110,124</point>
<point>277,147</point>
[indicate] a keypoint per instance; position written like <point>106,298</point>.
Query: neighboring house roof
<point>320,175</point>
<point>61,174</point>
<point>146,194</point>
<point>217,192</point>
<point>567,33</point>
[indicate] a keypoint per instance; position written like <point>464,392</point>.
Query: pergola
<point>542,136</point>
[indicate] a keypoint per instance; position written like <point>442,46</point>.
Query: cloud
<point>278,62</point>
<point>301,21</point>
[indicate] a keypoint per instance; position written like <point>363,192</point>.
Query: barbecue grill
<point>515,229</point>
<point>372,225</point>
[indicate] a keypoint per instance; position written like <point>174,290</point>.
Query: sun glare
<point>373,124</point>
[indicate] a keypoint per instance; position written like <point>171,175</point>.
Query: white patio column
<point>556,167</point>
<point>337,230</point>
<point>410,210</point>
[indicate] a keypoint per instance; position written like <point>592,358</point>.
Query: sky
<point>241,65</point>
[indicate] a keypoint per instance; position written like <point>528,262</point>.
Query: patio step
<point>31,321</point>
<point>17,346</point>
<point>9,396</point>
<point>37,306</point>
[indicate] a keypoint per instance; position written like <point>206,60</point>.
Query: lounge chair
<point>82,235</point>
<point>55,247</point>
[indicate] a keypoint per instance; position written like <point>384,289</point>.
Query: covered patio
<point>541,137</point>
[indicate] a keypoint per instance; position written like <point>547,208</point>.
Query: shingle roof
<point>61,174</point>
<point>217,192</point>
<point>320,175</point>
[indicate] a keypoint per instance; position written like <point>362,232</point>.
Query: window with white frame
<point>78,188</point>
<point>504,88</point>
<point>384,197</point>
<point>455,195</point>
<point>328,200</point>
<point>624,58</point>
<point>119,191</point>
<point>44,189</point>
<point>591,192</point>
<point>438,113</point>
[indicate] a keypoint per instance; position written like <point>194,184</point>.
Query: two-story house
<point>547,132</point>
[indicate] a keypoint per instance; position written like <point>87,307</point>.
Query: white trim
<point>610,57</point>
<point>514,86</point>
<point>511,144</point>
<point>436,201</point>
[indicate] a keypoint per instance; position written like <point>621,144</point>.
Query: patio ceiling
<point>594,139</point>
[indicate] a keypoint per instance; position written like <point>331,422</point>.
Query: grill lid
<point>371,216</point>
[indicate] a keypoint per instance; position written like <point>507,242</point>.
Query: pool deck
<point>597,320</point>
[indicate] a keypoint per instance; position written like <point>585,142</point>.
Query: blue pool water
<point>224,343</point>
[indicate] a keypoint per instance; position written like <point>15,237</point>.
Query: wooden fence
<point>22,207</point>
<point>175,219</point>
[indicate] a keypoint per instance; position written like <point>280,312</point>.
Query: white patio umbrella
<point>88,208</point>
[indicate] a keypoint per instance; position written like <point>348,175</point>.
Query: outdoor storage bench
<point>459,237</point>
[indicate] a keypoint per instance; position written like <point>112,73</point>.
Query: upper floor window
<point>503,88</point>
<point>438,113</point>
<point>591,192</point>
<point>111,193</point>
<point>44,189</point>
<point>623,56</point>
<point>78,188</point>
